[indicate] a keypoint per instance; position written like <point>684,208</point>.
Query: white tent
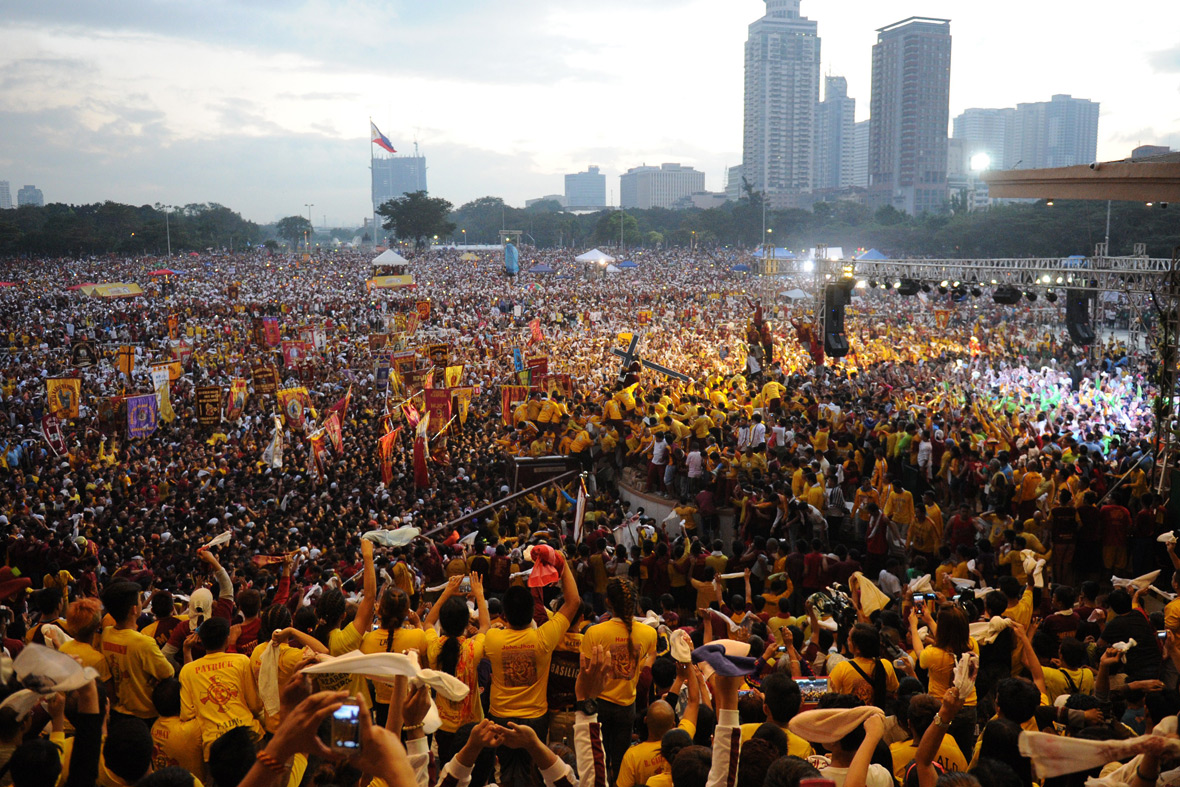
<point>594,255</point>
<point>794,294</point>
<point>612,269</point>
<point>389,258</point>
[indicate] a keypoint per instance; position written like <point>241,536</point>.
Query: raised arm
<point>481,603</point>
<point>436,608</point>
<point>571,600</point>
<point>364,613</point>
<point>932,739</point>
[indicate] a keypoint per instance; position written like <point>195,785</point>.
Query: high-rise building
<point>1060,132</point>
<point>781,94</point>
<point>989,132</point>
<point>30,195</point>
<point>1143,151</point>
<point>860,155</point>
<point>834,140</point>
<point>658,187</point>
<point>733,184</point>
<point>397,175</point>
<point>5,196</point>
<point>586,189</point>
<point>909,115</point>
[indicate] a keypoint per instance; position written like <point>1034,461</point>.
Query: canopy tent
<point>613,269</point>
<point>389,258</point>
<point>468,257</point>
<point>795,294</point>
<point>164,272</point>
<point>390,282</point>
<point>872,254</point>
<point>627,264</point>
<point>776,254</point>
<point>594,255</point>
<point>114,290</point>
<point>541,268</point>
<point>743,268</point>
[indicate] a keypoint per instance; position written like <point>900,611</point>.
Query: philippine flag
<point>380,139</point>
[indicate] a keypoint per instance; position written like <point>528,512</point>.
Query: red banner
<point>438,404</point>
<point>51,429</point>
<point>332,427</point>
<point>385,447</point>
<point>510,397</point>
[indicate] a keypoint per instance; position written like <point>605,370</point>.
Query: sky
<point>264,105</point>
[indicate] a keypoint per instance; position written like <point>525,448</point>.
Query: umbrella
<point>193,254</point>
<point>627,264</point>
<point>743,268</point>
<point>164,272</point>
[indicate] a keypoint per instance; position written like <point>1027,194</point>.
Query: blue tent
<point>872,254</point>
<point>741,268</point>
<point>627,264</point>
<point>541,268</point>
<point>777,254</point>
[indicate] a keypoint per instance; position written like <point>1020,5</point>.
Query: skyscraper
<point>30,195</point>
<point>586,189</point>
<point>909,114</point>
<point>658,187</point>
<point>860,155</point>
<point>835,136</point>
<point>5,196</point>
<point>782,90</point>
<point>397,175</point>
<point>1060,132</point>
<point>989,131</point>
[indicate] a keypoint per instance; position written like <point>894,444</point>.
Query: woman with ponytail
<point>631,646</point>
<point>330,610</point>
<point>457,654</point>
<point>391,636</point>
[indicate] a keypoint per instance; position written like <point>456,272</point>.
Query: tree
<point>416,217</point>
<point>293,228</point>
<point>607,229</point>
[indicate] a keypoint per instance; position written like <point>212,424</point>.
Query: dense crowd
<point>941,559</point>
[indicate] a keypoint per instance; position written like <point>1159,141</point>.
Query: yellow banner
<point>64,395</point>
<point>453,375</point>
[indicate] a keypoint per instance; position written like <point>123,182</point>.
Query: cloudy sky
<point>263,105</point>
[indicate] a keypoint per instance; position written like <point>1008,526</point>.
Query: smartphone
<point>1163,635</point>
<point>465,585</point>
<point>744,693</point>
<point>346,727</point>
<point>918,599</point>
<point>931,596</point>
<point>783,649</point>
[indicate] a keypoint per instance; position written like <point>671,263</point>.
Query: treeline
<point>1017,230</point>
<point>59,230</point>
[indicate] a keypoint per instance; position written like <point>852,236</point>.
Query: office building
<point>860,154</point>
<point>397,175</point>
<point>989,132</point>
<point>733,184</point>
<point>658,187</point>
<point>30,195</point>
<point>1060,132</point>
<point>909,114</point>
<point>835,136</point>
<point>586,189</point>
<point>558,198</point>
<point>5,196</point>
<point>781,94</point>
<point>1143,151</point>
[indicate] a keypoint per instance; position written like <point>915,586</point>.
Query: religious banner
<point>462,397</point>
<point>319,339</point>
<point>110,413</point>
<point>385,447</point>
<point>163,396</point>
<point>418,379</point>
<point>143,415</point>
<point>183,353</point>
<point>51,431</point>
<point>536,335</point>
<point>235,404</point>
<point>510,397</point>
<point>272,457</point>
<point>332,428</point>
<point>453,375</point>
<point>82,354</point>
<point>411,414</point>
<point>377,341</point>
<point>439,354</point>
<point>423,309</point>
<point>560,383</point>
<point>412,322</point>
<point>160,378</point>
<point>942,317</point>
<point>644,316</point>
<point>341,407</point>
<point>438,405</point>
<point>404,360</point>
<point>517,359</point>
<point>207,400</point>
<point>272,332</point>
<point>266,379</point>
<point>173,326</point>
<point>126,361</point>
<point>381,369</point>
<point>294,403</point>
<point>64,395</point>
<point>317,454</point>
<point>294,353</point>
<point>421,474</point>
<point>538,365</point>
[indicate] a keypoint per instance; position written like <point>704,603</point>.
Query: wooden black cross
<point>629,357</point>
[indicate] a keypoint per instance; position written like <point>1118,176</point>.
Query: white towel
<point>22,702</point>
<point>965,670</point>
<point>1053,755</point>
<point>46,671</point>
<point>1034,566</point>
<point>719,615</point>
<point>985,632</point>
<point>963,583</point>
<point>54,636</point>
<point>219,539</point>
<point>392,538</point>
<point>268,679</point>
<point>921,584</point>
<point>1137,583</point>
<point>733,575</point>
<point>680,646</point>
<point>866,595</point>
<point>1123,647</point>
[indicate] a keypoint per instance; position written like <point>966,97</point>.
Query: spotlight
<point>1048,203</point>
<point>1006,295</point>
<point>907,287</point>
<point>1060,280</point>
<point>897,284</point>
<point>955,284</point>
<point>942,288</point>
<point>1051,296</point>
<point>976,292</point>
<point>925,288</point>
<point>884,286</point>
<point>1032,296</point>
<point>1150,204</point>
<point>873,284</point>
<point>943,284</point>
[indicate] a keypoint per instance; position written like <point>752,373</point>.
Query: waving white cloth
<point>831,724</point>
<point>268,679</point>
<point>985,632</point>
<point>1034,566</point>
<point>392,538</point>
<point>219,539</point>
<point>921,584</point>
<point>866,595</point>
<point>54,636</point>
<point>1053,755</point>
<point>22,702</point>
<point>1123,647</point>
<point>1138,583</point>
<point>966,668</point>
<point>680,646</point>
<point>46,671</point>
<point>652,619</point>
<point>733,575</point>
<point>963,583</point>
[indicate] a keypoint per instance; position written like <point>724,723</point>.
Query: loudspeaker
<point>909,287</point>
<point>1006,295</point>
<point>835,345</point>
<point>1077,317</point>
<point>836,297</point>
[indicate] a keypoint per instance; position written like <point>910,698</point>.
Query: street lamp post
<point>307,235</point>
<point>168,229</point>
<point>464,236</point>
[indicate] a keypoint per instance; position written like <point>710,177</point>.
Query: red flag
<point>332,427</point>
<point>51,430</point>
<point>267,560</point>
<point>411,414</point>
<point>341,407</point>
<point>385,448</point>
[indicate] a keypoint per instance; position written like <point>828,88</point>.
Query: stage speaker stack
<point>836,297</point>
<point>1077,317</point>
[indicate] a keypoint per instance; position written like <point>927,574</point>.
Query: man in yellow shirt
<point>923,537</point>
<point>644,760</point>
<point>923,708</point>
<point>899,506</point>
<point>781,699</point>
<point>134,660</point>
<point>520,656</point>
<point>175,743</point>
<point>218,689</point>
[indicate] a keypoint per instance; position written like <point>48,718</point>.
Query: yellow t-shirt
<point>612,635</point>
<point>289,658</point>
<point>796,746</point>
<point>136,665</point>
<point>219,691</point>
<point>940,666</point>
<point>88,656</point>
<point>949,756</point>
<point>1056,684</point>
<point>378,642</point>
<point>845,680</point>
<point>520,667</point>
<point>177,743</point>
<point>468,710</point>
<point>340,641</point>
<point>643,760</point>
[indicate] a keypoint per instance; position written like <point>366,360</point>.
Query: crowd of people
<point>943,558</point>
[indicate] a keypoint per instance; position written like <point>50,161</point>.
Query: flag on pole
<point>421,473</point>
<point>127,360</point>
<point>341,406</point>
<point>143,415</point>
<point>385,447</point>
<point>235,406</point>
<point>332,427</point>
<point>273,455</point>
<point>580,511</point>
<point>64,396</point>
<point>51,431</point>
<point>379,139</point>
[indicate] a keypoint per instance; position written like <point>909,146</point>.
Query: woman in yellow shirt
<point>952,639</point>
<point>391,637</point>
